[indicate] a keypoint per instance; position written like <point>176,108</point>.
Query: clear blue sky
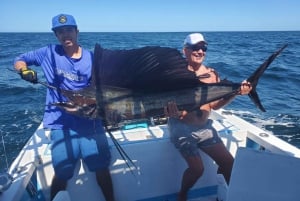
<point>152,15</point>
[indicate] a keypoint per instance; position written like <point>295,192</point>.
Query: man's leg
<point>222,157</point>
<point>56,186</point>
<point>105,182</point>
<point>65,152</point>
<point>190,175</point>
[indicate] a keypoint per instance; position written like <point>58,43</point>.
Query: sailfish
<point>137,84</point>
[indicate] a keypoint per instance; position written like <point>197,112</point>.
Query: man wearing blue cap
<point>68,66</point>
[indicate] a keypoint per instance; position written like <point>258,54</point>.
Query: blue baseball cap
<point>63,20</point>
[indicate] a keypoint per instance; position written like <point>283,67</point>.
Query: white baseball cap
<point>193,39</point>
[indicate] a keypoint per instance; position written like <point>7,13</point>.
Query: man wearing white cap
<point>68,66</point>
<point>193,130</point>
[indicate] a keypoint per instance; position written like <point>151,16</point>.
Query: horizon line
<point>154,31</point>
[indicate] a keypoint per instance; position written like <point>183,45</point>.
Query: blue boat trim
<point>194,193</point>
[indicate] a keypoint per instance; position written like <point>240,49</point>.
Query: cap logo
<point>62,19</point>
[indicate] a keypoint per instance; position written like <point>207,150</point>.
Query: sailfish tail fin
<point>254,78</point>
<point>255,98</point>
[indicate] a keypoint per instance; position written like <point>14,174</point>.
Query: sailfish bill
<point>138,83</point>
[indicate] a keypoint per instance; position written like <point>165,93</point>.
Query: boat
<point>265,167</point>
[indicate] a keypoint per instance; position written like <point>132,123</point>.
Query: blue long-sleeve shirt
<point>62,72</point>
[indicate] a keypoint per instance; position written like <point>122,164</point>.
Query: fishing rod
<point>99,96</point>
<point>48,85</point>
<point>4,149</point>
<point>121,151</point>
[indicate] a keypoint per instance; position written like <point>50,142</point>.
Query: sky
<point>153,15</point>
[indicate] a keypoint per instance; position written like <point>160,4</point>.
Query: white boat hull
<point>159,165</point>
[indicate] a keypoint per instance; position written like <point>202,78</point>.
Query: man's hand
<point>29,75</point>
<point>171,110</point>
<point>246,87</point>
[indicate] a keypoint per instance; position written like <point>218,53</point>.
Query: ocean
<point>235,55</point>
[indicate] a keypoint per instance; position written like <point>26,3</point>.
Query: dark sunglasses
<point>198,47</point>
<point>67,29</point>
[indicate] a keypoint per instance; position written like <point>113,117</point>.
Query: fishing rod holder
<point>5,181</point>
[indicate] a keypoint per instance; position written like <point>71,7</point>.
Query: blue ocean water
<point>235,55</point>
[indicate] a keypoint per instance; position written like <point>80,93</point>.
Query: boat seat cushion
<point>261,175</point>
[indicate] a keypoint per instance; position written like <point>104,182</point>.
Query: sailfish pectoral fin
<point>254,78</point>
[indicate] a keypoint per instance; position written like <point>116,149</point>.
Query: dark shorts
<point>188,138</point>
<point>68,146</point>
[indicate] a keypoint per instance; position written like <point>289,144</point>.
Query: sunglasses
<point>65,29</point>
<point>198,47</point>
